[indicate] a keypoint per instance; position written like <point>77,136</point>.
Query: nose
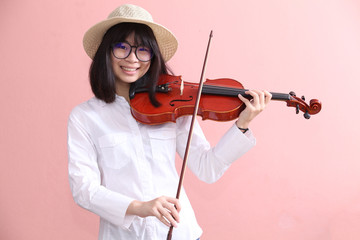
<point>132,56</point>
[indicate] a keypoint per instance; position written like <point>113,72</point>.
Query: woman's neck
<point>122,89</point>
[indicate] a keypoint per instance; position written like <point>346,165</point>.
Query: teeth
<point>129,69</point>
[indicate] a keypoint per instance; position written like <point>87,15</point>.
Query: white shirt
<point>114,160</point>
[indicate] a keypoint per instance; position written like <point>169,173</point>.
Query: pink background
<point>301,182</point>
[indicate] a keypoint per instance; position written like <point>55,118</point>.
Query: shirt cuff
<point>112,206</point>
<point>234,144</point>
<point>128,219</point>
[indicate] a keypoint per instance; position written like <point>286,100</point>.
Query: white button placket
<point>143,167</point>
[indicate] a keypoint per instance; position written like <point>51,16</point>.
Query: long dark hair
<point>102,78</point>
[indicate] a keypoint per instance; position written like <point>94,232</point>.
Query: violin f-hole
<point>180,100</point>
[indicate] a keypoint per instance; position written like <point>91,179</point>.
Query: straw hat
<point>130,13</point>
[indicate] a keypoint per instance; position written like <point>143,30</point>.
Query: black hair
<point>102,78</point>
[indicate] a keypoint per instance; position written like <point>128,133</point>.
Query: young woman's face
<point>129,69</point>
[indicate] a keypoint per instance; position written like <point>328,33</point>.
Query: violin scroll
<point>301,105</point>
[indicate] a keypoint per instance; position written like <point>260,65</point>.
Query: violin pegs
<point>292,94</point>
<point>303,98</point>
<point>297,108</point>
<point>306,115</point>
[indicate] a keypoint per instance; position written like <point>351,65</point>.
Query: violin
<point>219,101</point>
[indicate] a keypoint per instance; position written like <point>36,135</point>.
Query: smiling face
<point>129,69</point>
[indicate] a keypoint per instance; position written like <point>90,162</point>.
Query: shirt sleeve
<point>209,163</point>
<point>85,178</point>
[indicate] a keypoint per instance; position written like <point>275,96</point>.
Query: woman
<point>122,170</point>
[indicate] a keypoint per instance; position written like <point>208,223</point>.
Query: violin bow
<point>183,168</point>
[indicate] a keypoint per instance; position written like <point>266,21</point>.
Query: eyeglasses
<point>122,50</point>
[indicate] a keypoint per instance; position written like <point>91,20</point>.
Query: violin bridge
<point>181,87</point>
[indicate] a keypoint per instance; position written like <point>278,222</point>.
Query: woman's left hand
<point>253,107</point>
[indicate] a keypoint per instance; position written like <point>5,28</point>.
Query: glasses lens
<point>121,50</point>
<point>144,53</point>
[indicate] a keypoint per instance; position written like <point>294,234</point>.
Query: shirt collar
<point>118,98</point>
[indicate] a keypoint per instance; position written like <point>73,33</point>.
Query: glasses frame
<point>136,48</point>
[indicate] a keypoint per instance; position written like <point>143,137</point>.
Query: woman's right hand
<point>164,208</point>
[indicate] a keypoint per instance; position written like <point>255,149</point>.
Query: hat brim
<point>165,39</point>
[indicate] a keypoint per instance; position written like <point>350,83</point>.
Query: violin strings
<point>220,90</point>
<point>233,92</point>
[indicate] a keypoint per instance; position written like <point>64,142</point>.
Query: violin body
<point>176,102</point>
<point>219,101</point>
